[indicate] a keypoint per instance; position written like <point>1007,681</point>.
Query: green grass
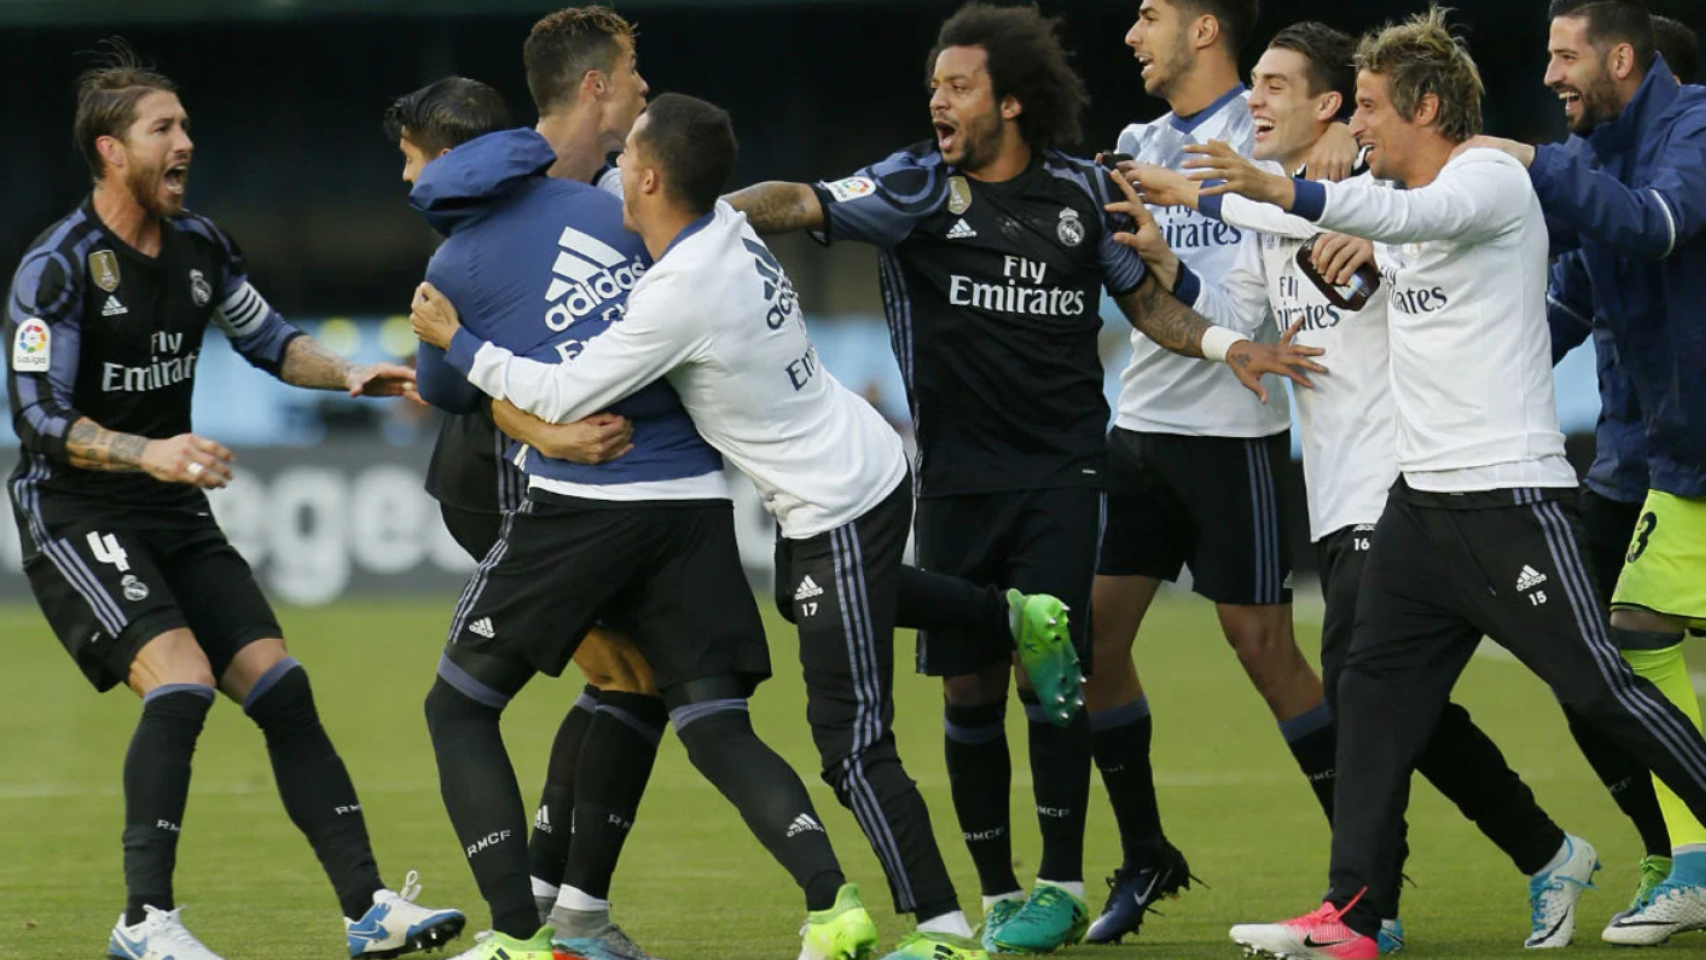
<point>693,884</point>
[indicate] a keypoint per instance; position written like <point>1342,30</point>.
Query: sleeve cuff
<point>1188,286</point>
<point>463,347</point>
<point>1310,201</point>
<point>826,236</point>
<point>1210,206</point>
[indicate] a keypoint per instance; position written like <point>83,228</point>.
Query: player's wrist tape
<point>1217,340</point>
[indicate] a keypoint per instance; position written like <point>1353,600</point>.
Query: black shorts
<point>107,589</point>
<point>475,531</point>
<point>1214,504</point>
<point>1036,541</point>
<point>1609,525</point>
<point>668,573</point>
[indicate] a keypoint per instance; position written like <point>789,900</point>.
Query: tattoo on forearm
<point>1163,319</point>
<point>308,364</point>
<point>777,207</point>
<point>90,446</point>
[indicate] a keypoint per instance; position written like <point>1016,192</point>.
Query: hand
<point>1337,257</point>
<point>1147,239</point>
<point>597,439</point>
<point>1218,161</point>
<point>187,458</point>
<point>1334,156</point>
<point>434,318</point>
<point>1523,152</point>
<point>382,380</point>
<point>1250,361</point>
<point>1161,186</point>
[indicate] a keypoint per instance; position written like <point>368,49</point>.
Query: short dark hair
<point>693,143</point>
<point>1679,45</point>
<point>1611,22</point>
<point>564,46</point>
<point>107,95</point>
<point>446,113</point>
<point>1237,18</point>
<point>1329,53</point>
<point>1026,60</point>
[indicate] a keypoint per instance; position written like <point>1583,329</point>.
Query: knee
<point>1263,647</point>
<point>170,659</point>
<point>702,726</point>
<point>460,698</point>
<point>985,687</point>
<point>281,697</point>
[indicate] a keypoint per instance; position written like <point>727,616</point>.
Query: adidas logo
<point>114,308</point>
<point>588,273</point>
<point>482,627</point>
<point>542,819</point>
<point>802,824</point>
<point>808,589</point>
<point>1529,579</point>
<point>961,230</point>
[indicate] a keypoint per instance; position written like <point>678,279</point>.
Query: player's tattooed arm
<point>309,364</point>
<point>1162,318</point>
<point>185,458</point>
<point>778,207</point>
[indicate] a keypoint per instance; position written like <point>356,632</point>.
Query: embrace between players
<point>603,355</point>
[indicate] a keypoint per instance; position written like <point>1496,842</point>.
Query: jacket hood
<point>464,183</point>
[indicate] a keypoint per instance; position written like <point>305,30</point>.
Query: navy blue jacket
<point>1632,197</point>
<point>1619,470</point>
<point>539,266</point>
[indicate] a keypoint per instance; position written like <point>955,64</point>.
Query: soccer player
<point>1479,535</point>
<point>105,319</point>
<point>1196,473</point>
<point>646,541</point>
<point>995,248</point>
<point>616,724</point>
<point>1298,89</point>
<point>1680,46</point>
<point>1629,191</point>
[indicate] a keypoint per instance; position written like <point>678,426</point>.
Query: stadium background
<point>286,96</point>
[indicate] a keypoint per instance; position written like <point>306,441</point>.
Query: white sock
<point>543,889</point>
<point>1557,858</point>
<point>571,898</point>
<point>1074,887</point>
<point>954,923</point>
<point>992,901</point>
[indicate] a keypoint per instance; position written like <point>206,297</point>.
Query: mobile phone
<point>1112,160</point>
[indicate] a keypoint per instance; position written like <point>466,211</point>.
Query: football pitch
<point>693,885</point>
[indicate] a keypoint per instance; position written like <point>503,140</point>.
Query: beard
<point>982,138</point>
<point>1182,62</point>
<point>144,185</point>
<point>1599,105</point>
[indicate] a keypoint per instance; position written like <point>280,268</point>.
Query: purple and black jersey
<point>992,293</point>
<point>99,330</point>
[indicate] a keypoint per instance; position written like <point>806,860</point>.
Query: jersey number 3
<point>106,550</point>
<point>1643,532</point>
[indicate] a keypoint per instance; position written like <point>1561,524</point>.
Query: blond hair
<point>1422,56</point>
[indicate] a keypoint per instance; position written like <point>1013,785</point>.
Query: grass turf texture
<point>693,885</point>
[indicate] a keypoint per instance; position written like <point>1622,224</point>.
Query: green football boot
<point>919,945</point>
<point>1654,870</point>
<point>1052,918</point>
<point>994,919</point>
<point>1043,637</point>
<point>843,932</point>
<point>492,945</point>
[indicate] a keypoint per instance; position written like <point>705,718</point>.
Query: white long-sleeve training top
<point>719,319</point>
<point>1465,262</point>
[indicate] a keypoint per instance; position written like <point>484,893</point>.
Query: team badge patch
<point>200,290</point>
<point>134,590</point>
<point>851,188</point>
<point>103,266</point>
<point>959,195</point>
<point>32,348</point>
<point>1070,229</point>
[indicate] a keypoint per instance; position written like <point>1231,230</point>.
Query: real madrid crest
<point>200,291</point>
<point>134,590</point>
<point>1070,229</point>
<point>103,266</point>
<point>959,195</point>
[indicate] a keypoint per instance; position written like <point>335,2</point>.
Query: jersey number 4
<point>106,550</point>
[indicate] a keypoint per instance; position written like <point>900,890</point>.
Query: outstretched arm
<point>779,207</point>
<point>308,364</point>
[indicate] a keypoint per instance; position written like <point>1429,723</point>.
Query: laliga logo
<point>588,272</point>
<point>33,337</point>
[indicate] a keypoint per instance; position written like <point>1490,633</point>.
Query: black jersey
<point>472,466</point>
<point>99,330</point>
<point>992,293</point>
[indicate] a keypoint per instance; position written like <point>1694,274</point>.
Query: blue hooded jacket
<point>1632,197</point>
<point>539,266</point>
<point>1619,470</point>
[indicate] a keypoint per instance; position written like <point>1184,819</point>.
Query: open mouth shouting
<point>176,177</point>
<point>947,134</point>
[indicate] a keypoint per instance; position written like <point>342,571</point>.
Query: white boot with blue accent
<point>395,925</point>
<point>1553,892</point>
<point>160,936</point>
